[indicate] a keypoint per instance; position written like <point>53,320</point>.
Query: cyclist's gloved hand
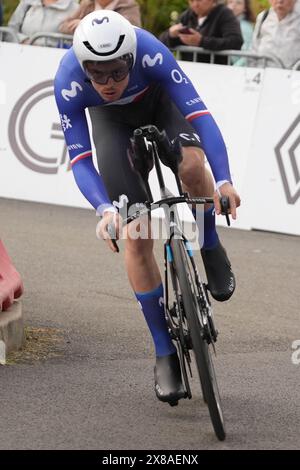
<point>109,229</point>
<point>227,190</point>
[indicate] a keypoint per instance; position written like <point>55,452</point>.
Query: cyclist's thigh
<point>111,140</point>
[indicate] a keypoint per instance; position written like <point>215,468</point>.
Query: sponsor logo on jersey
<point>147,61</point>
<point>190,137</point>
<point>68,94</point>
<point>194,101</point>
<point>65,122</point>
<point>75,147</point>
<point>177,77</point>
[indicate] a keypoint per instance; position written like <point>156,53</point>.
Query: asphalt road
<point>98,392</point>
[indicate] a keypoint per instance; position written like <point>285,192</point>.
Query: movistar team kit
<point>158,93</point>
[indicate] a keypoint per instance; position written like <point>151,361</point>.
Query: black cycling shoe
<point>168,383</point>
<point>220,278</point>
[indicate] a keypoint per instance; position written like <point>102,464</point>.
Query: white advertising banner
<point>273,187</point>
<point>232,95</point>
<point>258,112</point>
<point>33,155</point>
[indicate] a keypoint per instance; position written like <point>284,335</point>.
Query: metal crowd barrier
<point>296,66</point>
<point>63,40</point>
<point>229,53</point>
<point>8,34</point>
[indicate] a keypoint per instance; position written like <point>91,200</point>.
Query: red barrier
<point>11,285</point>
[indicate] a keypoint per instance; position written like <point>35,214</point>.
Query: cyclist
<point>127,78</point>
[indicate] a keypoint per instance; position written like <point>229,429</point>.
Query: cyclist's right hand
<point>110,220</point>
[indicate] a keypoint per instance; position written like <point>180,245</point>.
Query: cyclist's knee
<point>141,248</point>
<point>192,167</point>
<point>138,238</point>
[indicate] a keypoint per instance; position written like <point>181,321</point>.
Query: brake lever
<point>225,206</point>
<point>111,230</point>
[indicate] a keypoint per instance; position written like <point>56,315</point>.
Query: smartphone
<point>185,30</point>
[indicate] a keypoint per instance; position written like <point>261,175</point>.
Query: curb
<point>12,334</point>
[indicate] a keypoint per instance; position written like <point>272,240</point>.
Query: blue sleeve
<point>160,66</point>
<point>69,95</point>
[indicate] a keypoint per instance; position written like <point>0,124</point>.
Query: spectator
<point>33,16</point>
<point>128,8</point>
<point>277,32</point>
<point>243,12</point>
<point>209,25</point>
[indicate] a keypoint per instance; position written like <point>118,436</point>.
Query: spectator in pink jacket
<point>128,8</point>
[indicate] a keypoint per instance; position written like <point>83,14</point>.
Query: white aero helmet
<point>104,35</point>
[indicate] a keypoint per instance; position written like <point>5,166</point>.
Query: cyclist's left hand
<point>109,219</point>
<point>234,199</point>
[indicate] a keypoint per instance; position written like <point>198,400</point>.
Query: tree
<point>9,8</point>
<point>156,14</point>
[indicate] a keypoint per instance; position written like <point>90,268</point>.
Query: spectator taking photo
<point>207,24</point>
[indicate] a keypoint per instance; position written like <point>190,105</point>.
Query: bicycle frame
<point>191,302</point>
<point>172,220</point>
<point>173,226</point>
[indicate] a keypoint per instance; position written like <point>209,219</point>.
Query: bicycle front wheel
<point>188,290</point>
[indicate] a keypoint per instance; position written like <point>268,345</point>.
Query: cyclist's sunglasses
<point>101,72</point>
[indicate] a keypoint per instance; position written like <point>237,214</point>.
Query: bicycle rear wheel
<point>188,288</point>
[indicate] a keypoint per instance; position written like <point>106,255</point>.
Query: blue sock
<point>208,237</point>
<point>153,309</point>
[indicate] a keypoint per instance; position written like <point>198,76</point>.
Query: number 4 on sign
<point>257,78</point>
<point>253,80</point>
